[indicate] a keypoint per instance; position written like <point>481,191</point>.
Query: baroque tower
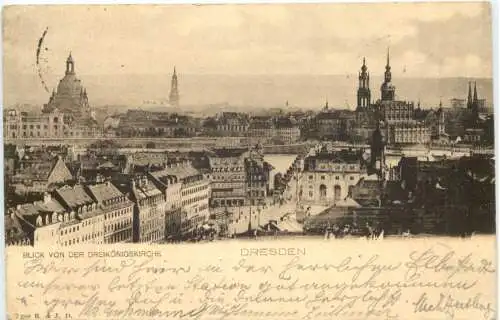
<point>174,91</point>
<point>70,65</point>
<point>364,95</point>
<point>387,89</point>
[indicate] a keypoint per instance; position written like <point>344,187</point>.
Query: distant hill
<point>216,93</point>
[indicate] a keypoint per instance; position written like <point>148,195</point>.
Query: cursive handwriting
<point>437,279</point>
<point>449,305</point>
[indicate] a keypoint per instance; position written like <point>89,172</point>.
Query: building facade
<point>149,210</point>
<point>194,194</point>
<point>228,177</point>
<point>409,134</point>
<point>117,210</point>
<point>329,176</point>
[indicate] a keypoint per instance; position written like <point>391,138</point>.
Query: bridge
<point>204,143</point>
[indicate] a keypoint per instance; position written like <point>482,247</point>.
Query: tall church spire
<point>364,95</point>
<point>387,90</point>
<point>469,97</point>
<point>388,75</point>
<point>475,93</point>
<point>174,91</point>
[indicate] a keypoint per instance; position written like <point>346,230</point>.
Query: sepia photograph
<point>237,161</point>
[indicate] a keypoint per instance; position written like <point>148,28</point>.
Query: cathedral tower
<point>387,89</point>
<point>174,91</point>
<point>475,106</point>
<point>469,98</point>
<point>364,95</point>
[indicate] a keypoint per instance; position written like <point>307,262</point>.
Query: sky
<point>425,39</point>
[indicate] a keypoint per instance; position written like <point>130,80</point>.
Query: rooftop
<point>180,172</point>
<point>104,192</point>
<point>74,196</point>
<point>47,205</point>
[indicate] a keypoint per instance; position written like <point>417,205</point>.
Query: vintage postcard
<point>257,161</point>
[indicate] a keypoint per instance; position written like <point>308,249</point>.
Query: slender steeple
<point>70,65</point>
<point>326,104</point>
<point>174,91</point>
<point>475,93</point>
<point>364,95</point>
<point>387,89</point>
<point>469,97</point>
<point>388,75</point>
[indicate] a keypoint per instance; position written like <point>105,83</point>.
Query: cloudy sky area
<point>426,40</point>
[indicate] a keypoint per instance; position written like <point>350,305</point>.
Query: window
<point>322,177</point>
<point>311,177</point>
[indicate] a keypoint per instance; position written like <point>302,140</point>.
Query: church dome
<point>69,86</point>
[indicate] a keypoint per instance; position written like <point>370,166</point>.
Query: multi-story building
<point>228,178</point>
<point>279,129</point>
<point>397,112</point>
<point>261,130</point>
<point>257,173</point>
<point>118,212</point>
<point>171,187</point>
<point>41,220</point>
<point>232,124</point>
<point>328,177</point>
<point>335,124</point>
<point>194,193</point>
<point>287,130</point>
<point>86,219</point>
<point>409,134</point>
<point>149,210</point>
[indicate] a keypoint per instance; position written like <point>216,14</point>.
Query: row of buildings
<point>155,195</point>
<point>68,114</point>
